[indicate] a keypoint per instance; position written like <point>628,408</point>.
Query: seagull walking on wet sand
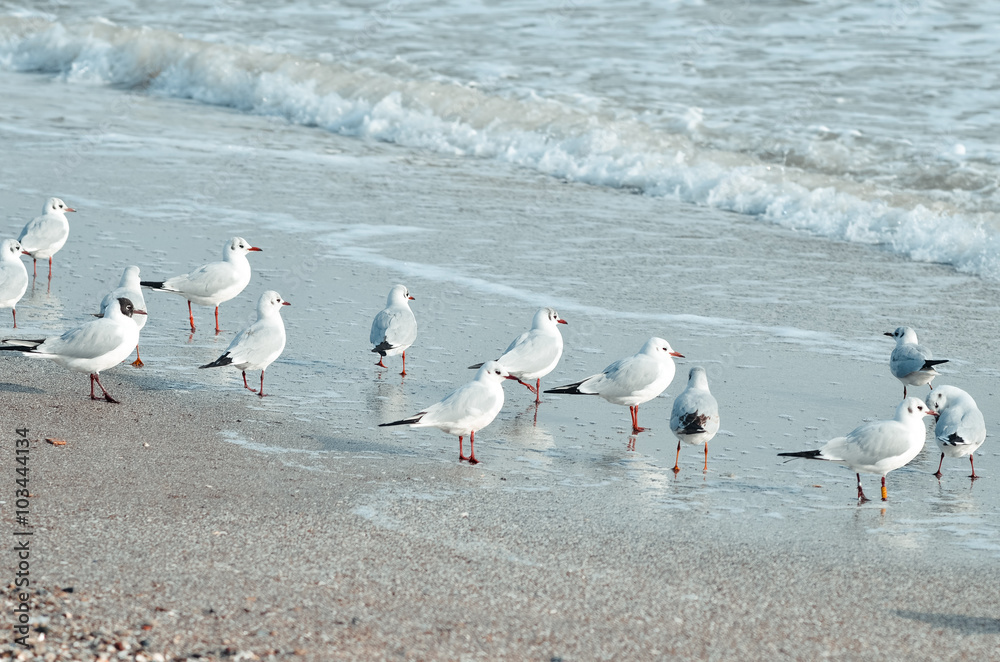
<point>129,288</point>
<point>878,447</point>
<point>960,429</point>
<point>535,353</point>
<point>258,345</point>
<point>213,283</point>
<point>910,362</point>
<point>44,235</point>
<point>695,414</point>
<point>470,407</point>
<point>13,276</point>
<point>631,381</point>
<point>91,347</point>
<point>394,328</point>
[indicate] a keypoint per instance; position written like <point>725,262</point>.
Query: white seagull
<point>630,381</point>
<point>535,353</point>
<point>129,288</point>
<point>91,347</point>
<point>878,447</point>
<point>695,414</point>
<point>13,276</point>
<point>960,429</point>
<point>395,328</point>
<point>468,408</point>
<point>911,363</point>
<point>44,235</point>
<point>213,283</point>
<point>258,345</point>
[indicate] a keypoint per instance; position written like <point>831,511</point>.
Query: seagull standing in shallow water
<point>258,345</point>
<point>631,381</point>
<point>91,347</point>
<point>394,328</point>
<point>13,276</point>
<point>470,407</point>
<point>213,283</point>
<point>535,353</point>
<point>911,363</point>
<point>44,235</point>
<point>695,414</point>
<point>878,447</point>
<point>129,288</point>
<point>960,428</point>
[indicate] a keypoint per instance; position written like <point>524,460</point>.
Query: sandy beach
<point>203,522</point>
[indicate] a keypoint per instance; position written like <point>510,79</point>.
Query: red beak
<point>69,209</point>
<point>139,312</point>
<point>411,298</point>
<point>561,322</point>
<point>254,248</point>
<point>677,354</point>
<point>285,303</point>
<point>933,413</point>
<point>26,253</point>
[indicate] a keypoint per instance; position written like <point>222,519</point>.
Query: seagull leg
<point>904,391</point>
<point>677,460</point>
<point>245,385</point>
<point>191,316</point>
<point>50,270</point>
<point>461,451</point>
<point>217,329</point>
<point>938,474</point>
<point>380,364</point>
<point>973,476</point>
<point>14,310</point>
<point>861,493</point>
<point>34,267</point>
<point>404,364</point>
<point>635,419</point>
<point>472,448</point>
<point>138,359</point>
<point>538,390</point>
<point>706,457</point>
<point>107,396</point>
<point>261,392</point>
<point>885,495</point>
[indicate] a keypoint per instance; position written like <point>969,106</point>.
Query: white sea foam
<point>575,143</point>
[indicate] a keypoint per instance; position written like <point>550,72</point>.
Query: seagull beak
<point>285,303</point>
<point>561,321</point>
<point>139,312</point>
<point>933,413</point>
<point>70,209</point>
<point>411,298</point>
<point>25,252</point>
<point>888,334</point>
<point>677,354</point>
<point>254,248</point>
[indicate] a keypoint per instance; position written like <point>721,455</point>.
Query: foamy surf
<point>550,136</point>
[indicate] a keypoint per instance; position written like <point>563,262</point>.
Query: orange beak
<point>677,354</point>
<point>254,248</point>
<point>411,298</point>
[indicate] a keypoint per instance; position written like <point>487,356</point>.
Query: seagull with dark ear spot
<point>13,276</point>
<point>258,345</point>
<point>91,347</point>
<point>695,414</point>
<point>910,362</point>
<point>394,328</point>
<point>129,288</point>
<point>960,429</point>
<point>44,235</point>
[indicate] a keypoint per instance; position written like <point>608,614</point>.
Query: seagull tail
<point>572,389</point>
<point>406,421</point>
<point>20,344</point>
<point>930,363</point>
<point>225,359</point>
<point>154,284</point>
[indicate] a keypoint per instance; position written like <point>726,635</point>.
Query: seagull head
<point>946,396</point>
<point>492,371</point>
<point>270,303</point>
<point>398,295</point>
<point>903,334</point>
<point>130,278</point>
<point>547,317</point>
<point>238,246</point>
<point>56,206</point>
<point>913,408</point>
<point>659,348</point>
<point>10,249</point>
<point>126,308</point>
<point>698,378</point>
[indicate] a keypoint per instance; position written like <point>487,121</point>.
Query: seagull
<point>129,288</point>
<point>960,429</point>
<point>395,328</point>
<point>534,353</point>
<point>911,363</point>
<point>213,283</point>
<point>878,447</point>
<point>258,345</point>
<point>468,408</point>
<point>44,235</point>
<point>91,347</point>
<point>631,381</point>
<point>695,415</point>
<point>13,276</point>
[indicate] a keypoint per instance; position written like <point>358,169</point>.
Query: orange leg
<point>635,419</point>
<point>677,460</point>
<point>404,365</point>
<point>472,448</point>
<point>380,364</point>
<point>50,268</point>
<point>706,457</point>
<point>191,316</point>
<point>138,359</point>
<point>973,476</point>
<point>217,329</point>
<point>885,495</point>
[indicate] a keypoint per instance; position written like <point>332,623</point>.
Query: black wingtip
<point>476,367</point>
<point>225,359</point>
<point>810,455</point>
<point>571,389</point>
<point>155,284</point>
<point>382,348</point>
<point>930,363</point>
<point>405,421</point>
